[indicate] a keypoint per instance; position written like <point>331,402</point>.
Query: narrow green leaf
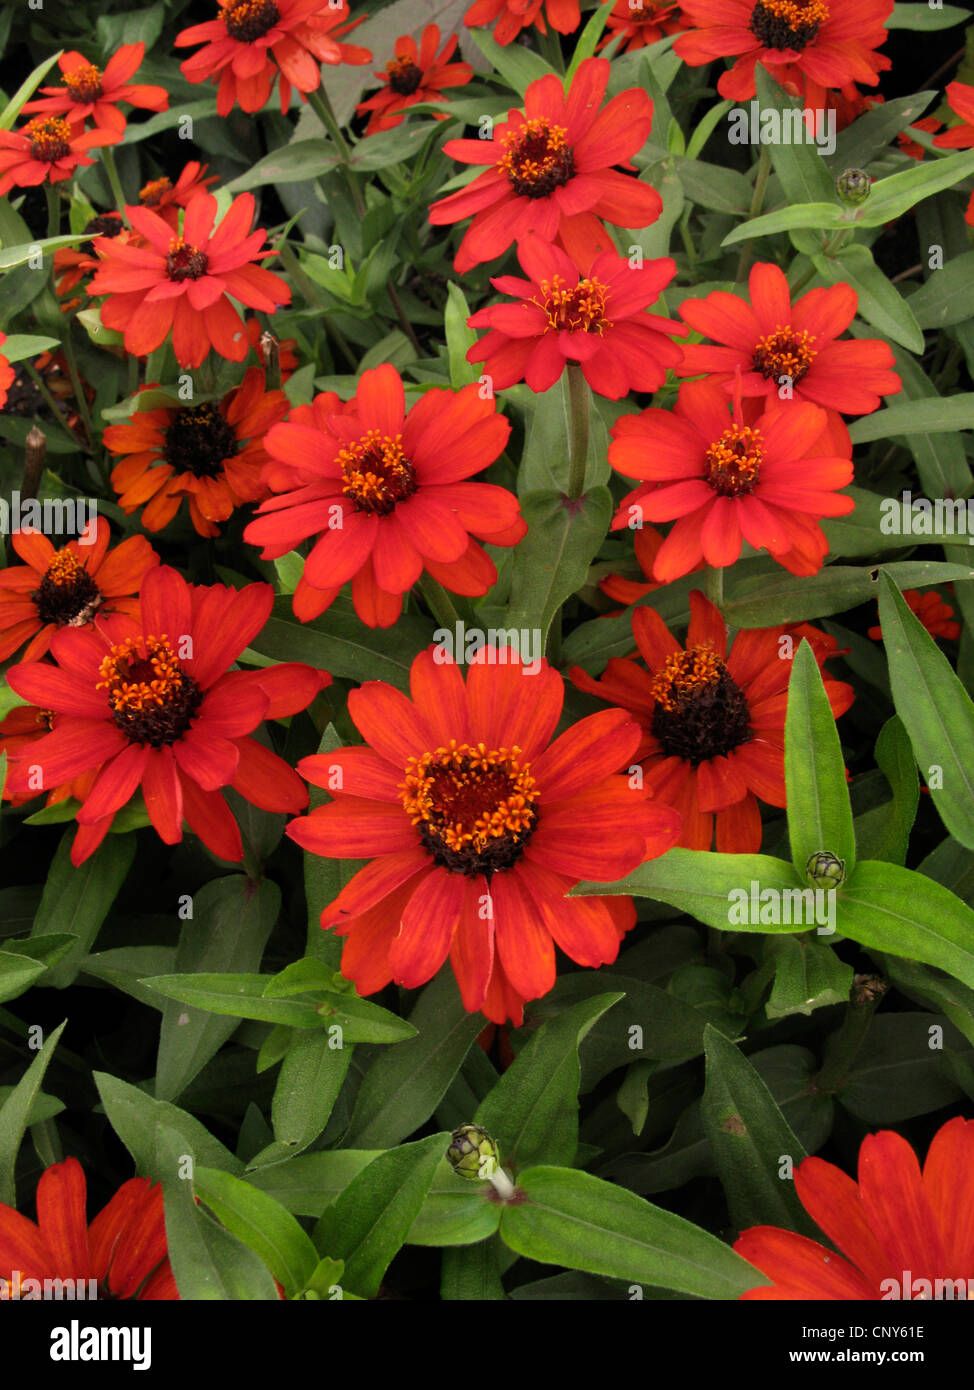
<point>819,814</point>
<point>26,90</point>
<point>262,1224</point>
<point>459,338</point>
<point>886,834</point>
<point>457,1211</point>
<point>916,417</point>
<point>553,559</point>
<point>470,1273</point>
<point>240,995</point>
<point>880,303</point>
<point>15,1115</point>
<point>310,1079</point>
<point>134,1116</point>
<point>808,975</point>
<point>515,65</point>
<point>77,899</point>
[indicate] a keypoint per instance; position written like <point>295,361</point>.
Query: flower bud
<point>825,870</point>
<point>853,187</point>
<point>473,1153</point>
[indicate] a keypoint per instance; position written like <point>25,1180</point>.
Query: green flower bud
<point>825,870</point>
<point>853,187</point>
<point>473,1153</point>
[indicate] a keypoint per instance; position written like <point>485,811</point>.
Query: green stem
<point>79,392</point>
<point>551,50</point>
<point>843,1046</point>
<point>757,203</point>
<point>53,210</point>
<point>713,585</point>
<point>322,107</point>
<point>802,281</point>
<point>404,323</point>
<point>49,400</point>
<point>579,405</point>
<point>440,603</point>
<point>114,182</point>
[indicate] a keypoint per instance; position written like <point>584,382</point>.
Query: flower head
<point>641,22</point>
<point>477,825</point>
<point>182,282</point>
<point>598,320</point>
<point>514,16</point>
<point>252,43</point>
<point>553,171</point>
<point>166,198</point>
<point>416,73</point>
<point>89,93</point>
<point>54,589</point>
<point>210,454</point>
<point>903,1233</point>
<point>828,43</point>
<point>123,1249</point>
<point>23,726</point>
<point>764,478</point>
<point>47,148</point>
<point>712,718</point>
<point>384,493</point>
<point>150,702</point>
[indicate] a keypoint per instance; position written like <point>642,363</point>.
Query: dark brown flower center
<point>404,76</point>
<point>67,596</point>
<point>185,262</point>
<point>152,699</point>
<point>784,353</point>
<point>249,20</point>
<point>471,805</point>
<point>377,473</point>
<point>199,441</point>
<point>50,138</point>
<point>84,83</point>
<point>787,23</point>
<point>537,158</point>
<point>700,712</point>
<point>105,224</point>
<point>734,462</point>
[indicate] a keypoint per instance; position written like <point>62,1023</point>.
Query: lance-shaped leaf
<point>15,1114</point>
<point>819,814</point>
<point>262,1224</point>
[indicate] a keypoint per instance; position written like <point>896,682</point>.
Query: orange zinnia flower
<point>641,22</point>
<point>123,1251</point>
<point>211,454</point>
<point>89,93</point>
<point>253,42</point>
<point>712,719</point>
<point>517,15</point>
<point>761,478</point>
<point>67,587</point>
<point>25,725</point>
<point>7,373</point>
<point>598,320</point>
<point>151,703</point>
<point>46,148</point>
<point>183,282</point>
<point>829,43</point>
<point>960,99</point>
<point>415,74</point>
<point>477,826</point>
<point>933,612</point>
<point>166,198</point>
<point>553,171</point>
<point>905,1234</point>
<point>386,495</point>
<point>73,263</point>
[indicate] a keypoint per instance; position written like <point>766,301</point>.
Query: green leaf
<point>712,186</point>
<point>887,908</point>
<point>880,303</point>
<point>294,163</point>
<point>808,976</point>
<point>580,1222</point>
<point>776,598</point>
<point>308,1183</point>
<point>403,1086</point>
<point>21,345</point>
<point>820,216</point>
<point>16,1112</point>
<point>800,168</point>
<point>457,1211</point>
<point>887,832</point>
<point>553,559</point>
<point>19,255</point>
<point>925,17</point>
<point>515,65</point>
<point>45,1107</point>
<point>470,1274</point>
<point>891,197</point>
<point>459,338</point>
<point>135,1116</point>
<point>899,1073</point>
<point>26,90</point>
<point>77,899</point>
<point>125,967</point>
<point>939,457</point>
<point>368,1223</point>
<point>819,814</point>
<point>916,417</point>
<point>869,134</point>
<point>262,1224</point>
<point>208,1263</point>
<point>936,710</point>
<point>750,1137</point>
<point>946,297</point>
<point>532,1112</point>
<point>240,995</point>
<point>310,1079</point>
<point>231,922</point>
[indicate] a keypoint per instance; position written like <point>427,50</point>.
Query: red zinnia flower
<point>87,92</point>
<point>166,197</point>
<point>598,320</point>
<point>46,148</point>
<point>25,725</point>
<point>778,345</point>
<point>124,1249</point>
<point>478,826</point>
<point>905,1234</point>
<point>73,263</point>
<point>516,15</point>
<point>414,75</point>
<point>933,612</point>
<point>255,41</point>
<point>829,43</point>
<point>68,587</point>
<point>960,99</point>
<point>713,720</point>
<point>385,494</point>
<point>151,703</point>
<point>553,171</point>
<point>760,478</point>
<point>7,373</point>
<point>641,22</point>
<point>183,282</point>
<point>211,454</point>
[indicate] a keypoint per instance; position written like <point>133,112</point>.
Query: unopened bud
<point>853,187</point>
<point>825,870</point>
<point>35,451</point>
<point>270,355</point>
<point>472,1153</point>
